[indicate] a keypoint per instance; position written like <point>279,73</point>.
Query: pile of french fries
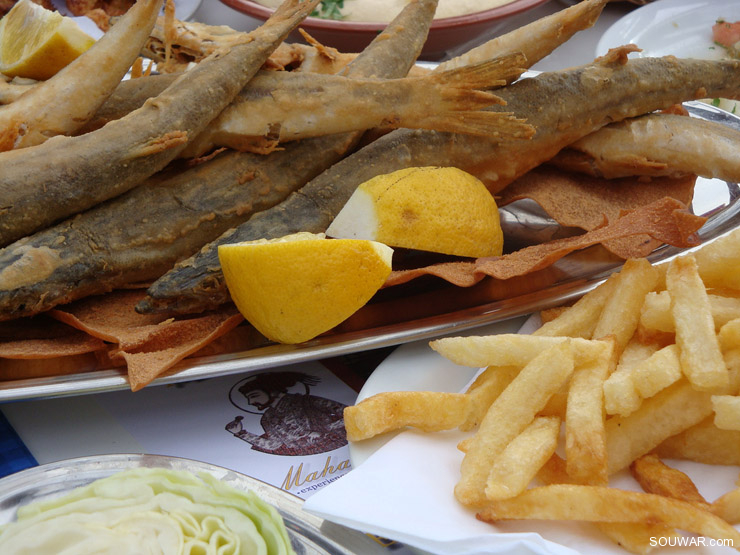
<point>642,369</point>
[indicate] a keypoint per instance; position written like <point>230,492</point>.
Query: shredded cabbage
<point>149,511</point>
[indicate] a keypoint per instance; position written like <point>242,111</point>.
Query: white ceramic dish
<point>309,534</point>
<point>682,28</point>
<point>446,35</point>
<point>416,367</point>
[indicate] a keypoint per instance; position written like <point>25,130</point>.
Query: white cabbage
<point>148,511</point>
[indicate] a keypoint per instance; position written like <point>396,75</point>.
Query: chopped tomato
<point>726,33</point>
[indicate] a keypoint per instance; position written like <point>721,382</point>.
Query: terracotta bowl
<point>350,36</point>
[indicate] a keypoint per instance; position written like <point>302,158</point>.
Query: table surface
<point>58,429</point>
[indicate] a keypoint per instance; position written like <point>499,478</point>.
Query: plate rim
<point>651,10</point>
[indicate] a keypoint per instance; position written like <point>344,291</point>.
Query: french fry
<point>549,314</point>
<point>704,443</point>
<point>719,262</point>
<point>727,507</point>
<point>701,358</point>
<point>557,404</point>
<point>635,353</point>
<point>509,414</point>
<point>659,371</point>
<point>664,364</point>
<point>633,536</point>
<point>508,349</point>
<point>554,471</point>
<point>729,335</point>
<point>656,311</point>
<point>585,436</point>
<point>654,476</point>
<point>521,459</point>
<point>484,391</point>
<point>605,504</point>
<point>726,412</point>
<point>668,413</point>
<point>620,393</point>
<point>392,410</point>
<point>661,338</point>
<point>732,360</point>
<point>580,319</point>
<point>464,444</point>
<point>621,313</point>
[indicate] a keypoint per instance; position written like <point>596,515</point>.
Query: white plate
<point>682,28</point>
<point>416,367</point>
<point>308,533</point>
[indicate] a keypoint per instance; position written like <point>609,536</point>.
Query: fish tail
<point>488,74</point>
<point>494,125</point>
<point>468,88</point>
<point>468,99</point>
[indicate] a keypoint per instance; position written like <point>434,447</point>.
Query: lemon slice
<point>294,288</point>
<point>37,43</point>
<point>444,210</point>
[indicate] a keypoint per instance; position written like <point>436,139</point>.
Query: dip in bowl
<point>447,32</point>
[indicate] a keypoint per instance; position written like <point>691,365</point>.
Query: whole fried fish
<point>43,184</point>
<point>656,145</point>
<point>63,103</point>
<point>536,39</point>
<point>562,106</point>
<point>142,233</point>
<point>280,106</point>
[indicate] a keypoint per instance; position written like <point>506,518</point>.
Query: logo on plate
<point>293,421</point>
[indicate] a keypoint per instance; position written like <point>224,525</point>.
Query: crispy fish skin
<point>128,96</point>
<point>65,175</point>
<point>12,89</point>
<point>190,41</point>
<point>141,234</point>
<point>656,145</point>
<point>281,106</point>
<point>586,99</point>
<point>286,106</point>
<point>63,103</point>
<point>562,106</point>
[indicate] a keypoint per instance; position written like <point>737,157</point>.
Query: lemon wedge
<point>435,209</point>
<point>37,43</point>
<point>299,286</point>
